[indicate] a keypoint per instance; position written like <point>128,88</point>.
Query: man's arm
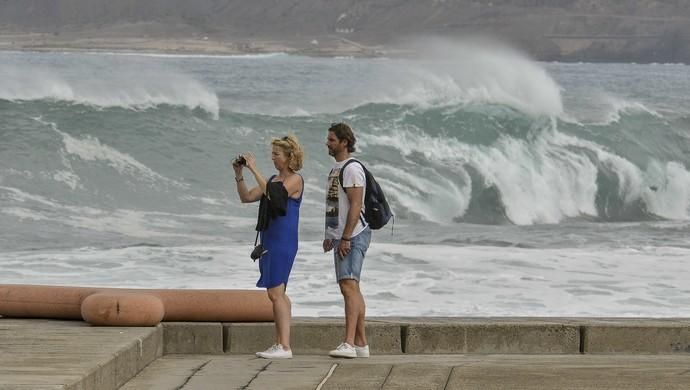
<point>354,196</point>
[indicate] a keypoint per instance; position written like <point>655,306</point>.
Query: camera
<point>258,252</point>
<point>240,160</point>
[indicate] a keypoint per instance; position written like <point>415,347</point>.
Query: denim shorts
<point>350,266</point>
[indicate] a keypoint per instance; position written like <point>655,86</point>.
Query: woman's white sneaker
<point>344,350</point>
<point>362,352</point>
<point>269,350</point>
<point>276,351</point>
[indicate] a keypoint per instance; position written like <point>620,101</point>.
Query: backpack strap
<point>340,179</point>
<point>342,170</point>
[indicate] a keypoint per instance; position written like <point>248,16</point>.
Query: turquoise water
<point>519,188</point>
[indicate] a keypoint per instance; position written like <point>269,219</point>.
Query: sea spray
<point>512,198</point>
<point>103,87</point>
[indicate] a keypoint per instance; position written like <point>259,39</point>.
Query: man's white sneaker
<point>344,350</point>
<point>276,351</point>
<point>362,352</point>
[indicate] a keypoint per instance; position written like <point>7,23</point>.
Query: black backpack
<point>377,212</point>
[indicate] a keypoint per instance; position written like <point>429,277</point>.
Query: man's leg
<point>348,270</point>
<point>360,333</point>
<point>354,311</point>
<point>361,242</point>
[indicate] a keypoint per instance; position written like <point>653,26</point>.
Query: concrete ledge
<point>48,354</point>
<point>315,336</point>
<point>637,337</point>
<point>43,354</point>
<point>192,338</point>
<point>526,337</point>
<point>124,365</point>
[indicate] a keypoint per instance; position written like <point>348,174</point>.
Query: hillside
<point>565,30</point>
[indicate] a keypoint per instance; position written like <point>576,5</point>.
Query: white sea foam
<point>435,197</point>
<point>90,148</point>
<point>291,112</point>
<point>462,72</point>
<point>669,196</point>
<point>24,213</point>
<point>129,223</point>
<point>618,106</point>
<point>107,87</point>
<point>207,200</point>
<point>398,280</point>
<point>540,181</point>
<point>16,172</point>
<point>664,187</point>
<point>17,195</point>
<point>67,177</point>
<point>243,130</point>
<point>629,175</point>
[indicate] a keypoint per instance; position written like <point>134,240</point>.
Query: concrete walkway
<point>442,372</point>
<point>408,353</point>
<point>71,355</point>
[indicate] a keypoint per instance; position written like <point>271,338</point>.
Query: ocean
<point>520,188</point>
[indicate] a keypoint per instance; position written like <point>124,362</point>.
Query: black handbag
<point>258,249</point>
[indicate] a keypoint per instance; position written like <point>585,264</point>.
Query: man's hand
<point>344,248</point>
<point>327,245</point>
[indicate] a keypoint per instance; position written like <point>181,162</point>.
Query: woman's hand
<point>254,194</point>
<point>237,167</point>
<point>251,161</point>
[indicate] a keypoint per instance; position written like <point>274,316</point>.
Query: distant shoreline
<point>47,43</point>
<point>328,47</point>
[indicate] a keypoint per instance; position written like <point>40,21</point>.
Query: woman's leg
<point>282,308</point>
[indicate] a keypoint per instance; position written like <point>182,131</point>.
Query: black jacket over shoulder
<point>273,204</point>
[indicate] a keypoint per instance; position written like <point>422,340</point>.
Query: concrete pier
<point>407,353</point>
<point>50,354</point>
<point>438,372</point>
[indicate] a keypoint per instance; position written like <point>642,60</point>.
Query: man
<point>348,235</point>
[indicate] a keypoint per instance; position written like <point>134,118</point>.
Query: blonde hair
<point>292,149</point>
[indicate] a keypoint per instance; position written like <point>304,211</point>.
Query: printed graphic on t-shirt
<point>332,199</point>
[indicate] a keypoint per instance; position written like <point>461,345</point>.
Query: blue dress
<point>280,239</point>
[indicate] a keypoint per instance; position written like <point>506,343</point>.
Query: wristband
<point>239,179</point>
<point>345,239</point>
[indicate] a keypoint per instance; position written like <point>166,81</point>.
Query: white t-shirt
<point>337,204</point>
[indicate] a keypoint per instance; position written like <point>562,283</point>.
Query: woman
<point>281,195</point>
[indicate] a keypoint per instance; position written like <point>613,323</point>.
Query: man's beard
<point>331,152</point>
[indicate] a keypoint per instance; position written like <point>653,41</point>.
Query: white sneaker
<point>276,351</point>
<point>362,352</point>
<point>344,350</point>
